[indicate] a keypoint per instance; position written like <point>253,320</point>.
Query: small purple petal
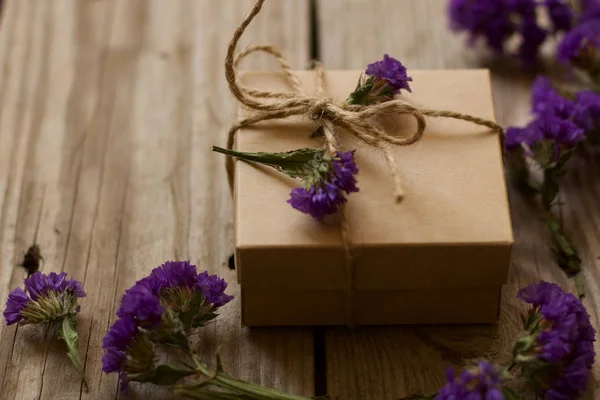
<point>16,302</point>
<point>213,288</point>
<point>139,302</point>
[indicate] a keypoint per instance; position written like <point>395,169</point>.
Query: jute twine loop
<point>357,120</point>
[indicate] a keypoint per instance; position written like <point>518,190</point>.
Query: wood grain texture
<point>107,112</point>
<point>391,363</point>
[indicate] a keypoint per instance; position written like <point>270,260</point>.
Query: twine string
<point>357,120</point>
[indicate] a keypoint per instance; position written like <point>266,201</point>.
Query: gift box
<point>439,256</point>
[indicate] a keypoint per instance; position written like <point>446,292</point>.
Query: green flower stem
<point>220,379</point>
<point>68,333</point>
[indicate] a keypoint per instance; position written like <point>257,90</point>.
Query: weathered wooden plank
<point>390,363</point>
<point>108,110</point>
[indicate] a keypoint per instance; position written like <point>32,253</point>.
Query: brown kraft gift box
<point>439,256</point>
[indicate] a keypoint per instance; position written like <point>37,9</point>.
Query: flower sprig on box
<point>327,178</point>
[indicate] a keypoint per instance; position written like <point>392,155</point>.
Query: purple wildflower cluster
<point>391,71</point>
<point>173,297</point>
<point>328,179</point>
<point>480,382</point>
<point>381,82</point>
<point>497,21</point>
<point>563,341</point>
<point>581,45</point>
<point>46,298</point>
<point>559,120</point>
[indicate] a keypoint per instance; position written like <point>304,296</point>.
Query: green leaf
<point>291,163</point>
<point>69,334</point>
<point>168,375</point>
<point>192,309</point>
<point>361,95</point>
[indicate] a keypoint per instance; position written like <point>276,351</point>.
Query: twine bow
<point>357,120</point>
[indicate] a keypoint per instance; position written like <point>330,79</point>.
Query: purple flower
<point>140,303</point>
<point>39,284</point>
<point>497,21</point>
<point>586,112</point>
<point>590,9</point>
<point>517,137</point>
<point>560,13</point>
<point>580,44</point>
<point>480,382</point>
<point>532,38</point>
<point>328,180</point>
<point>564,132</point>
<point>564,336</point>
<point>16,302</point>
<point>390,70</point>
<point>546,100</point>
<point>171,274</point>
<point>46,298</point>
<point>128,351</point>
<point>213,289</point>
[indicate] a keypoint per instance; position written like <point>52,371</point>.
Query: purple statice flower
<point>140,303</point>
<point>590,9</point>
<point>532,38</point>
<point>480,382</point>
<point>46,298</point>
<point>545,100</point>
<point>171,274</point>
<point>580,45</point>
<point>561,14</point>
<point>17,302</point>
<point>213,289</point>
<point>128,351</point>
<point>183,276</point>
<point>525,138</point>
<point>497,21</point>
<point>563,133</point>
<point>172,289</point>
<point>560,353</point>
<point>327,180</point>
<point>586,112</point>
<point>40,284</point>
<point>390,70</point>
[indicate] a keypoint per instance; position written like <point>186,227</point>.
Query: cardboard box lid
<point>453,179</point>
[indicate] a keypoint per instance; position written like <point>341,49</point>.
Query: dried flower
<point>556,353</point>
<point>160,308</point>
<point>213,289</point>
<point>140,303</point>
<point>580,46</point>
<point>381,82</point>
<point>479,382</point>
<point>128,352</point>
<point>326,179</point>
<point>50,300</point>
<point>497,21</point>
<point>390,70</point>
<point>561,14</point>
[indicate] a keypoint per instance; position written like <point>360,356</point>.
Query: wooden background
<point>108,109</point>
